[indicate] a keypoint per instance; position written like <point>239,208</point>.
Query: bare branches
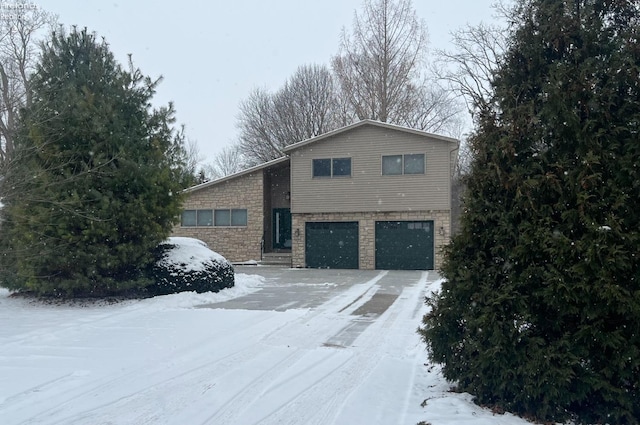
<point>19,32</point>
<point>306,106</point>
<point>381,69</point>
<point>380,73</point>
<point>228,161</point>
<point>471,67</point>
<point>256,123</point>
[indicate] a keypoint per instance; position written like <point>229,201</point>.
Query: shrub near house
<point>186,264</point>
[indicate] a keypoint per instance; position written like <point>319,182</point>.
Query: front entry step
<point>276,259</point>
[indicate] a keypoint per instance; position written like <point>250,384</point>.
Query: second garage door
<point>404,245</point>
<point>332,245</point>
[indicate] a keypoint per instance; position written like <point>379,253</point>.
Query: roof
<point>368,122</point>
<point>238,174</point>
<point>318,139</point>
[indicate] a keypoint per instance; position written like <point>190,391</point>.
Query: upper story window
<point>332,167</point>
<point>395,165</point>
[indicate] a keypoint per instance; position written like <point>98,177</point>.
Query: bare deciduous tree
<point>381,68</point>
<point>255,123</point>
<point>20,28</point>
<point>306,106</point>
<point>228,161</point>
<point>471,66</point>
<point>192,155</point>
<point>435,110</point>
<point>380,73</point>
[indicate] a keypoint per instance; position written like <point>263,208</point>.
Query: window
<point>392,165</point>
<point>414,164</point>
<point>205,218</point>
<point>188,218</point>
<point>231,217</point>
<point>416,225</point>
<point>321,168</point>
<point>223,217</point>
<point>192,218</point>
<point>332,167</point>
<point>341,166</point>
<point>238,217</point>
<point>395,165</point>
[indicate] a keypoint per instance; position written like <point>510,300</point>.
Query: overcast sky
<point>212,54</point>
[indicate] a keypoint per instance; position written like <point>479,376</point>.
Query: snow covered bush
<point>186,264</point>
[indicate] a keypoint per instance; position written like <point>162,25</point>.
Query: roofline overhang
<point>381,124</point>
<point>262,166</point>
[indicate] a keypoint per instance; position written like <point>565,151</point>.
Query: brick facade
<point>367,220</point>
<point>236,244</point>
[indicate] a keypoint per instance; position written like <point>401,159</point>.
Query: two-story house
<point>369,195</point>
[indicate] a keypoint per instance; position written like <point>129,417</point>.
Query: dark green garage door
<point>331,245</point>
<point>404,245</point>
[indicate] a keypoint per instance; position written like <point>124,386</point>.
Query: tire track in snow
<point>141,404</point>
<point>150,404</point>
<point>318,401</point>
<point>304,340</point>
<point>125,383</point>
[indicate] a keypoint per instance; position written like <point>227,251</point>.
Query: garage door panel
<point>331,245</point>
<point>404,245</point>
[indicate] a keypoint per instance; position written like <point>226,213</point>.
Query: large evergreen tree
<point>96,181</point>
<point>540,311</point>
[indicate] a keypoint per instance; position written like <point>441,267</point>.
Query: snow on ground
<point>167,360</point>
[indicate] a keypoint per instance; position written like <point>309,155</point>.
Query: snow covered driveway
<point>285,347</point>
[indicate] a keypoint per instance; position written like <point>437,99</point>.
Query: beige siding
<point>367,190</point>
<point>237,244</point>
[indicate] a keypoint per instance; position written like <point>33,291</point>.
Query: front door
<point>281,228</point>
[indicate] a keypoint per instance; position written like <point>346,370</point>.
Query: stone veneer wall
<point>367,228</point>
<point>236,244</point>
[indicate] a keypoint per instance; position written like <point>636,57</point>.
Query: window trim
<point>196,211</point>
<point>424,163</point>
<point>208,211</point>
<point>245,217</point>
<point>331,165</point>
<point>215,217</point>
<point>382,163</point>
<point>195,218</point>
<point>313,168</point>
<point>403,171</point>
<point>333,162</point>
<point>230,211</point>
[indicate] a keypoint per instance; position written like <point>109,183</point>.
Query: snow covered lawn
<point>167,360</point>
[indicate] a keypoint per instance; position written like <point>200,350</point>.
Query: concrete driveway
<point>369,293</point>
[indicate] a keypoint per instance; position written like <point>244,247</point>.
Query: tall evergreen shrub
<point>540,312</point>
<point>97,178</point>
